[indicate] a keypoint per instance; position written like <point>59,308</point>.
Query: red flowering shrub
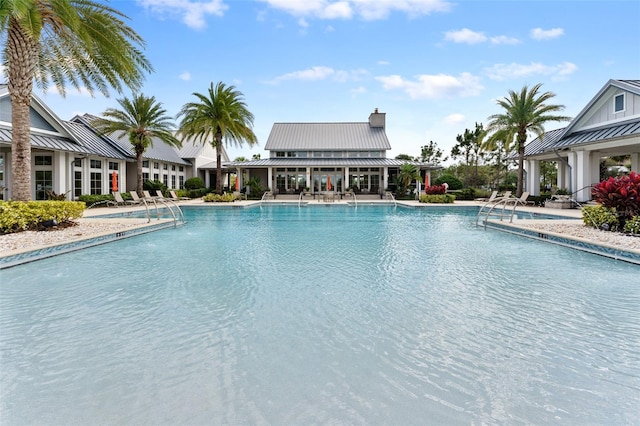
<point>622,193</point>
<point>435,189</point>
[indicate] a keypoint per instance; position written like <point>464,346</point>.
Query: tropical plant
<point>526,111</point>
<point>219,115</point>
<point>62,42</point>
<point>142,119</point>
<point>620,193</point>
<point>632,226</point>
<point>453,182</point>
<point>435,189</point>
<point>407,174</point>
<point>600,217</point>
<point>437,198</point>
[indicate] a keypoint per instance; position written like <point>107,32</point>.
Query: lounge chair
<point>492,197</point>
<point>174,197</point>
<point>122,202</point>
<point>329,197</point>
<point>134,197</point>
<point>522,200</point>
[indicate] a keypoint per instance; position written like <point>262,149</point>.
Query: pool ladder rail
<point>501,208</point>
<point>165,203</point>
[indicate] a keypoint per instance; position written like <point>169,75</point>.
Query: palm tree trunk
<point>23,55</point>
<point>218,170</point>
<point>521,141</point>
<point>139,174</point>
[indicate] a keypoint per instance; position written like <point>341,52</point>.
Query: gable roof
<point>326,137</point>
<point>159,150</point>
<point>573,135</point>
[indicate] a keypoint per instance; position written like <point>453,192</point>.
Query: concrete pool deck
<point>91,229</point>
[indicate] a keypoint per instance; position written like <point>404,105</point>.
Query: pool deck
<point>96,229</point>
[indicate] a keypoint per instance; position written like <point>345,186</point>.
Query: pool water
<point>321,314</point>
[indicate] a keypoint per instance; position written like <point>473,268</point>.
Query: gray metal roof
<point>190,148</point>
<point>159,150</point>
<point>326,137</point>
<point>46,142</point>
<point>553,140</point>
<point>326,162</point>
<point>94,142</point>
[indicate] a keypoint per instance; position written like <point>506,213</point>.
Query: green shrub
<point>16,216</point>
<point>194,183</point>
<point>597,216</point>
<point>227,197</point>
<point>466,194</point>
<point>154,185</point>
<point>91,200</point>
<point>196,193</point>
<point>437,198</point>
<point>453,182</point>
<point>632,225</point>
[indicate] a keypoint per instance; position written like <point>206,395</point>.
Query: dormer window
<point>618,103</point>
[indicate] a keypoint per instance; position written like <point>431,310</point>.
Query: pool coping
<point>35,253</point>
<point>602,249</point>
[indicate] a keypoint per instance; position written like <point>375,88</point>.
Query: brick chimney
<point>377,119</point>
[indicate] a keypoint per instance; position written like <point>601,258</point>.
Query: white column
<point>561,181</point>
<point>270,179</point>
<point>385,178</point>
<point>309,183</point>
<point>583,176</point>
<point>635,162</point>
<point>594,169</point>
<point>207,180</point>
<point>86,175</point>
<point>346,178</point>
<point>533,176</point>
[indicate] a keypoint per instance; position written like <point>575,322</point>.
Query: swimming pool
<point>323,314</point>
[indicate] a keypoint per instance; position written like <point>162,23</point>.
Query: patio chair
<point>329,197</point>
<point>492,197</point>
<point>174,197</point>
<point>522,200</point>
<point>134,197</point>
<point>122,202</point>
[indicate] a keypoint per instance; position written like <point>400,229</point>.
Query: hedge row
<point>16,216</point>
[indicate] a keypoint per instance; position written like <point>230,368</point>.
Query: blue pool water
<point>321,315</point>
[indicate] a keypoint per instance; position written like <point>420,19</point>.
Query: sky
<point>435,67</point>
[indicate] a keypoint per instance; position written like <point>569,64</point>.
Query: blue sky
<point>434,67</point>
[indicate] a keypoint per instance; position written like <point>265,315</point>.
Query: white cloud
<point>358,90</point>
<point>504,40</point>
<point>186,76</point>
<point>454,119</point>
<point>322,73</point>
<point>465,35</point>
<point>508,71</point>
<point>364,9</point>
<point>383,62</point>
<point>540,34</point>
<point>434,86</point>
<point>192,12</point>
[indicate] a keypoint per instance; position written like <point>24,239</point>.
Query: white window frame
<point>624,103</point>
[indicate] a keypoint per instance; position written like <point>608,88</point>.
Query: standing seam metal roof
<point>47,142</point>
<point>326,137</point>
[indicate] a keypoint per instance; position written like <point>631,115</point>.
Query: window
<point>173,182</point>
<point>77,183</point>
<point>181,182</point>
<point>164,167</point>
<point>618,103</point>
<point>96,183</point>
<point>44,183</point>
<point>96,164</point>
<point>156,165</point>
<point>165,180</point>
<point>173,167</point>
<point>43,160</point>
<point>145,163</point>
<point>145,177</point>
<point>181,169</point>
<point>156,176</point>
<point>113,165</point>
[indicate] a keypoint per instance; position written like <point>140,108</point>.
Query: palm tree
<point>525,112</point>
<point>142,119</point>
<point>219,115</point>
<point>500,146</point>
<point>407,174</point>
<point>79,42</point>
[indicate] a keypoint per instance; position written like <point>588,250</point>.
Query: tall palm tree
<point>80,42</point>
<point>526,111</point>
<point>142,119</point>
<point>218,115</point>
<point>499,146</point>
